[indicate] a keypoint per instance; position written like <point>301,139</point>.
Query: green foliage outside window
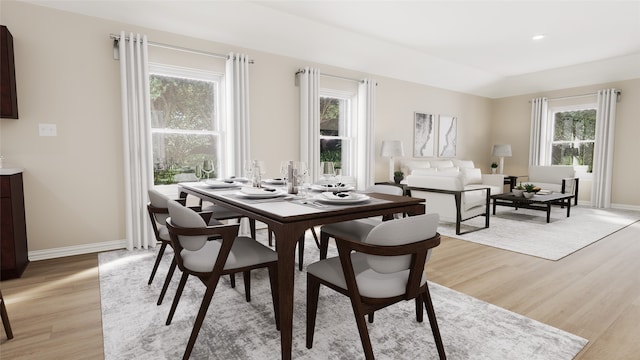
<point>183,122</point>
<point>574,138</point>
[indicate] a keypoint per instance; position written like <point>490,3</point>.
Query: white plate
<point>351,198</point>
<point>220,184</point>
<point>331,187</point>
<point>276,181</point>
<point>260,193</point>
<point>237,179</point>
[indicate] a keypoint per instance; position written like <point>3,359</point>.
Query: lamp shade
<point>501,150</point>
<point>392,148</point>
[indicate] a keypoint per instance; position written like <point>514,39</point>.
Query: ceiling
<point>477,47</point>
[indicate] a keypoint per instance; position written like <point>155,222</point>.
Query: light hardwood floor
<point>594,293</point>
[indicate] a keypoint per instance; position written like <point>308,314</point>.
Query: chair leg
<point>313,291</point>
<point>247,285</point>
<point>324,245</point>
<point>206,301</point>
<point>370,317</point>
<point>167,280</point>
<point>300,252</point>
<point>364,332</point>
<point>315,236</point>
<point>158,258</point>
<point>275,297</point>
<point>270,237</point>
<point>176,299</point>
<point>252,226</point>
<point>419,309</point>
<point>426,298</point>
<point>232,280</point>
<point>5,318</point>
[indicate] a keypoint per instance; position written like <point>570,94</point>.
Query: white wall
<point>73,183</point>
<point>66,76</point>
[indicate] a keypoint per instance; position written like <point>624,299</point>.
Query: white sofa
<point>556,178</point>
<point>455,189</point>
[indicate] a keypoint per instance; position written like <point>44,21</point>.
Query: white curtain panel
<point>237,125</point>
<point>603,150</point>
<point>365,175</point>
<point>309,81</point>
<point>537,139</point>
<point>136,126</point>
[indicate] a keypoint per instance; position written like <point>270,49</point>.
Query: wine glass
<point>301,173</point>
<point>207,168</point>
<point>284,170</point>
<point>198,172</point>
<point>327,169</point>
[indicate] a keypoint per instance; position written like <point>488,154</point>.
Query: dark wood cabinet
<point>13,251</point>
<point>8,94</point>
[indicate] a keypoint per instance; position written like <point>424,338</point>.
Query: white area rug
<point>527,232</point>
<point>133,325</point>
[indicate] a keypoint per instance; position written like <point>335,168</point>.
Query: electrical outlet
<point>47,130</point>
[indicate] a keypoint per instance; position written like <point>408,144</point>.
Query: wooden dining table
<point>288,217</point>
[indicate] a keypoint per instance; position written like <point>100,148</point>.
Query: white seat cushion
<point>370,283</point>
<point>356,230</point>
<point>221,212</point>
<point>163,232</point>
<point>245,252</point>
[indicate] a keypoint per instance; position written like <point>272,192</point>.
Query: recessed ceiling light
<point>537,37</point>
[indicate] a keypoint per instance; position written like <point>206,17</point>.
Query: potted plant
<point>529,190</point>
<point>518,190</point>
<point>494,167</point>
<point>398,176</point>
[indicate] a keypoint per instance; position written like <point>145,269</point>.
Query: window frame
<point>349,125</point>
<point>552,110</point>
<point>217,78</point>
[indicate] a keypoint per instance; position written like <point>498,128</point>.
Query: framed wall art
<point>424,135</point>
<point>447,136</point>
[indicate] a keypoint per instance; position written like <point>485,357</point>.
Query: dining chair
<point>208,260</point>
<point>354,229</point>
<point>5,318</point>
<point>384,269</point>
<point>158,214</point>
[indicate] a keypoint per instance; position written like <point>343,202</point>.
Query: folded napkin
<point>259,191</point>
<point>341,195</point>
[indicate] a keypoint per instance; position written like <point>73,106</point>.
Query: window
<point>185,122</point>
<point>337,141</point>
<point>573,137</point>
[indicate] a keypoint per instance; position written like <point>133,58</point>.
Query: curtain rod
<point>302,71</point>
<point>179,48</point>
<point>618,94</point>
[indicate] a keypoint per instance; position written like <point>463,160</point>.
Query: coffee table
<point>537,202</point>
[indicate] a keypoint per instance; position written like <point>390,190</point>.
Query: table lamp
<point>501,151</point>
<point>391,148</point>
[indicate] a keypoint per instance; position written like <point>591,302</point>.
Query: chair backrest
<point>385,189</point>
<point>159,200</point>
<point>182,216</point>
<point>399,232</point>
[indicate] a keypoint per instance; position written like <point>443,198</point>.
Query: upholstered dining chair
<point>208,260</point>
<point>386,268</point>
<point>5,318</point>
<point>354,229</point>
<point>158,214</point>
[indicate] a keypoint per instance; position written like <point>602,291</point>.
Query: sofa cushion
<point>424,171</point>
<point>471,176</point>
<point>448,170</point>
<point>550,174</point>
<point>464,163</point>
<point>441,163</point>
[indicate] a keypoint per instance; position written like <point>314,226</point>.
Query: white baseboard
<point>626,207</point>
<point>76,250</point>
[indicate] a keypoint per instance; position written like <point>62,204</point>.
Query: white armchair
<point>458,192</point>
<point>556,178</point>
